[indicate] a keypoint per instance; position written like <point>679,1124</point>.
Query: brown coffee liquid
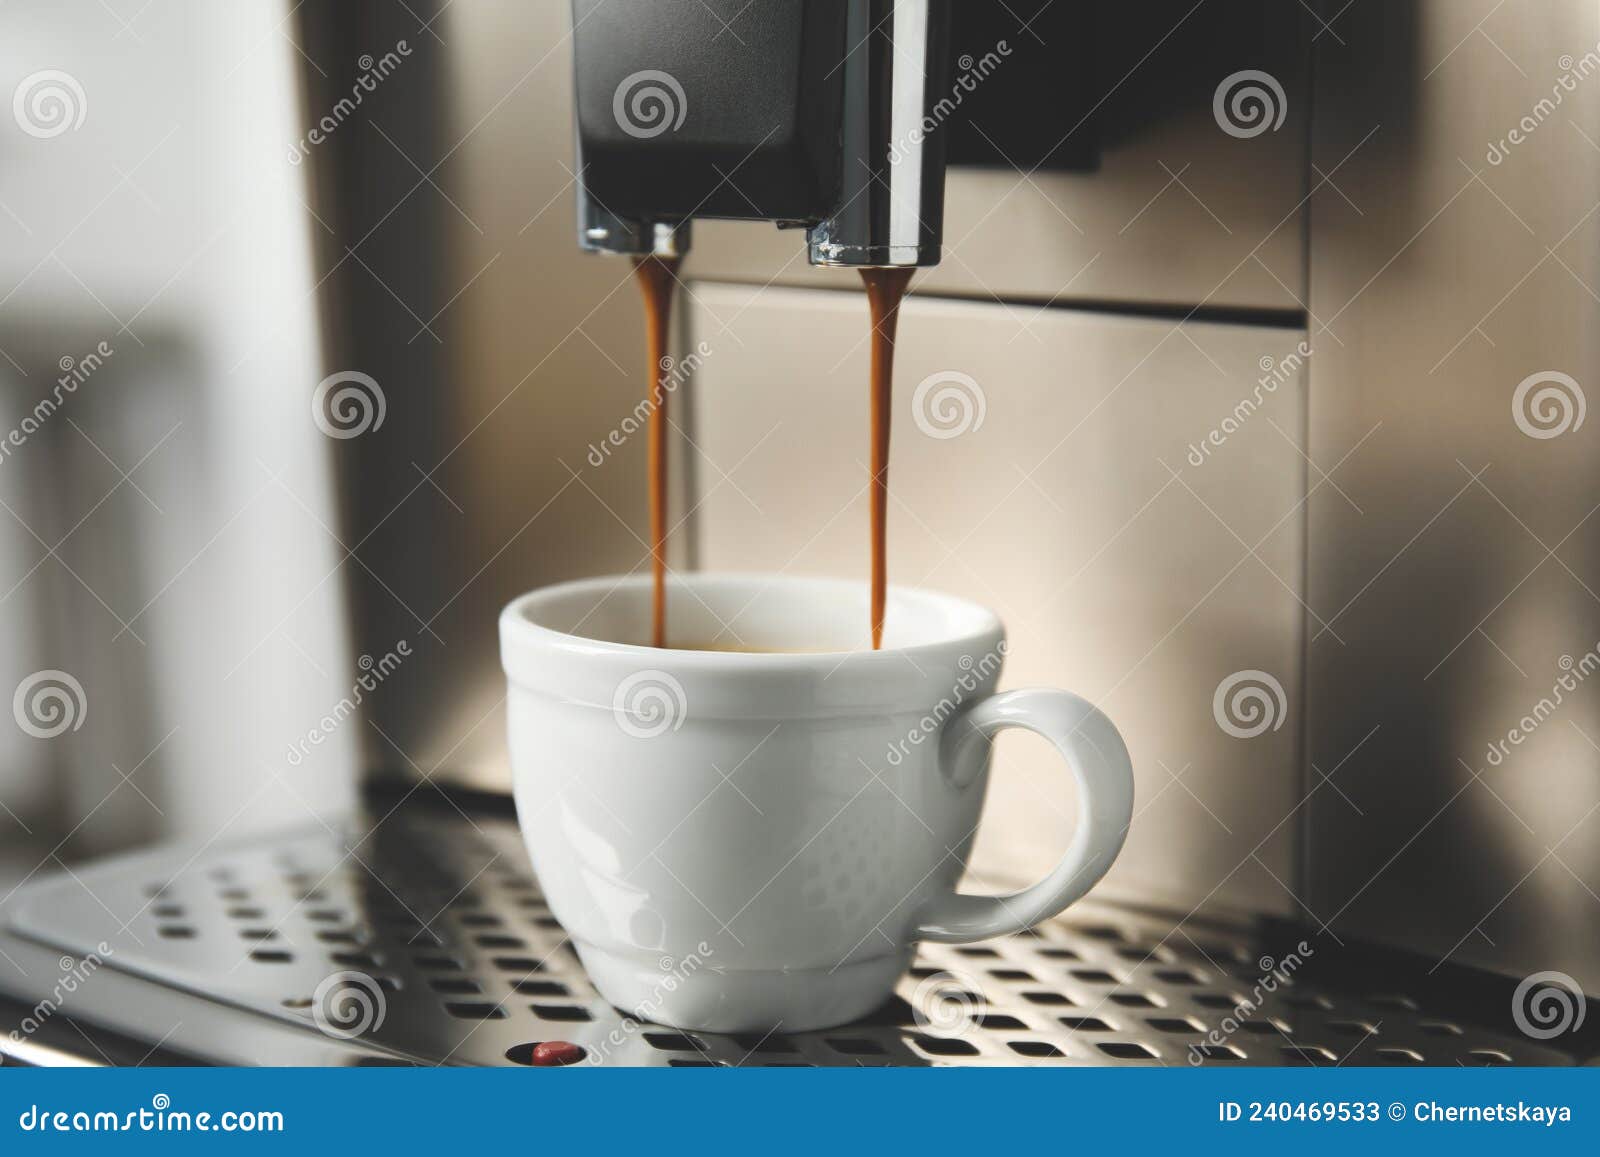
<point>747,649</point>
<point>885,288</point>
<point>657,277</point>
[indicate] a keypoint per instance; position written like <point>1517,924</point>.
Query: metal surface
<point>1178,212</point>
<point>683,110</point>
<point>1454,556</point>
<point>436,911</point>
<point>123,1019</point>
<point>890,208</point>
<point>601,231</point>
<point>1064,496</point>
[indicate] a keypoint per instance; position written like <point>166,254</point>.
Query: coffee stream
<point>657,276</point>
<point>885,289</point>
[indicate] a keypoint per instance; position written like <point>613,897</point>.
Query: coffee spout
<point>890,209</point>
<point>823,114</point>
<point>601,231</point>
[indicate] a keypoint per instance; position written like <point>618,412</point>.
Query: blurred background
<point>1248,417</point>
<point>167,535</point>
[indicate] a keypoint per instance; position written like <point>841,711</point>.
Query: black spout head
<point>818,113</point>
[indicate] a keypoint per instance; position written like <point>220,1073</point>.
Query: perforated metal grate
<point>443,918</point>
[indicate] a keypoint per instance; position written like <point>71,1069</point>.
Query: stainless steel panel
<point>1124,571</point>
<point>1453,548</point>
<point>1179,211</point>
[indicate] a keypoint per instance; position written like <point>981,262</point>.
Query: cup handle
<point>1098,758</point>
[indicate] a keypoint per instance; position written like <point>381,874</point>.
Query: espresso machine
<point>1226,379</point>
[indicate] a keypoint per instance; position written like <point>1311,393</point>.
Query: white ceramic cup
<point>743,841</point>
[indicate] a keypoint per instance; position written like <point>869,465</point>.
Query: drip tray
<point>423,938</point>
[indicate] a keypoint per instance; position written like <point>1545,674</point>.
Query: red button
<point>557,1052</point>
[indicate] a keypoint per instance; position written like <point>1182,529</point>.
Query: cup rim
<point>517,624</point>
